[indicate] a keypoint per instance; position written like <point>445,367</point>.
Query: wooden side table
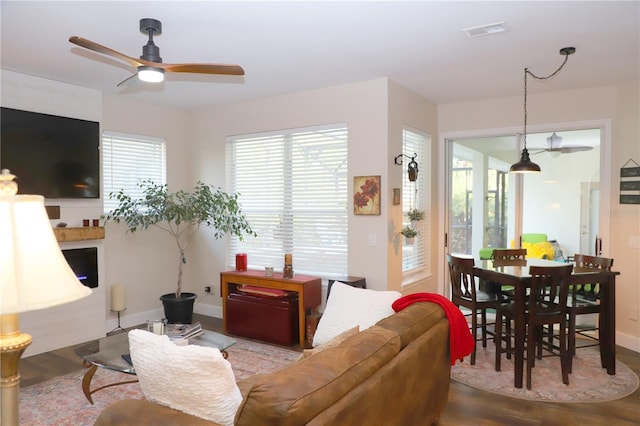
<point>309,291</point>
<point>359,282</point>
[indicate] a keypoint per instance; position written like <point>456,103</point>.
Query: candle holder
<point>118,328</point>
<point>287,271</point>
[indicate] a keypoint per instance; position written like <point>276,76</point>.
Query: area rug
<point>588,382</point>
<point>60,401</point>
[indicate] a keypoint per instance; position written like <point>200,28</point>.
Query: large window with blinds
<point>129,159</point>
<point>415,257</point>
<point>293,190</point>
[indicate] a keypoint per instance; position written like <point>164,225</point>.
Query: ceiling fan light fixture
<point>554,141</point>
<point>150,74</point>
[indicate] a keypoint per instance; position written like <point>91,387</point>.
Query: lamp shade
<point>33,271</point>
<point>525,165</point>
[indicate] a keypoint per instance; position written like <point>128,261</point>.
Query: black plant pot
<point>178,311</point>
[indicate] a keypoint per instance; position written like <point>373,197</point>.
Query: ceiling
<point>290,46</point>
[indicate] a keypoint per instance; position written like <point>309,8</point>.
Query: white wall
<point>620,105</point>
<point>84,319</point>
<point>375,138</point>
<point>146,262</point>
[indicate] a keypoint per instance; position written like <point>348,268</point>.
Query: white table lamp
<point>33,275</point>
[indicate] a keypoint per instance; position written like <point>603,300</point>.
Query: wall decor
<point>366,195</point>
<point>397,196</point>
<point>630,183</point>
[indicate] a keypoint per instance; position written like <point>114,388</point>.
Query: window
<point>293,190</point>
<point>129,159</point>
<point>417,195</point>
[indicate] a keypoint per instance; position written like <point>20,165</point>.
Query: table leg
<point>607,326</point>
<point>86,380</point>
<point>520,330</point>
<point>302,316</point>
<point>88,376</point>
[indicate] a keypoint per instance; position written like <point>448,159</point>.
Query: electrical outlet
<point>207,289</point>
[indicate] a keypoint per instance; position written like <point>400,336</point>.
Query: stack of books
<point>183,331</point>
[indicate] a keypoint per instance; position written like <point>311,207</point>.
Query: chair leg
<point>508,339</point>
<point>497,338</point>
<point>531,346</point>
<point>572,340</point>
<point>565,355</point>
<point>484,327</point>
<point>474,331</point>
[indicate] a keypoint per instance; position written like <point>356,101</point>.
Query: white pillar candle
<point>117,298</point>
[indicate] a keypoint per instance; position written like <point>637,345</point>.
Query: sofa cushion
<point>414,320</point>
<point>194,379</point>
<point>348,307</point>
<point>298,393</point>
<point>331,343</point>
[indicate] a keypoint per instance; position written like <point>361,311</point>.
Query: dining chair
<point>546,305</point>
<point>465,293</point>
<point>584,299</point>
<point>506,257</point>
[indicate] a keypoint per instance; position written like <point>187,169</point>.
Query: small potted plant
<point>415,215</point>
<point>180,214</point>
<point>409,233</point>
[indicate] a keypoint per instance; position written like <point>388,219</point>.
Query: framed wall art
<point>366,195</point>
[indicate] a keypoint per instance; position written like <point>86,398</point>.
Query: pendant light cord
<point>566,52</point>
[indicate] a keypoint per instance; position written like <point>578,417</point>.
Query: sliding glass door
<point>490,208</point>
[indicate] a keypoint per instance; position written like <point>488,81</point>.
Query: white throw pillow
<point>194,379</point>
<point>348,307</point>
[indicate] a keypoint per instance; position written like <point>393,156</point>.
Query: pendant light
<point>525,165</point>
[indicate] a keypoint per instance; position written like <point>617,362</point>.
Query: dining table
<point>517,277</point>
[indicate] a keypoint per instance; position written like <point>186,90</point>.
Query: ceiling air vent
<point>485,30</point>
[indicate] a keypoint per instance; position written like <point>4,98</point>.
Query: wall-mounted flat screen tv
<point>57,157</point>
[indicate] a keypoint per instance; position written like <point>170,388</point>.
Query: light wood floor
<point>466,406</point>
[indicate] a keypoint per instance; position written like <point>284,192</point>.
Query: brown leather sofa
<point>395,373</point>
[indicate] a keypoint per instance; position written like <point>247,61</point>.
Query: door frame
<point>444,185</point>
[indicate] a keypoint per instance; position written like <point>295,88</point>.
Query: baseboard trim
<point>628,341</point>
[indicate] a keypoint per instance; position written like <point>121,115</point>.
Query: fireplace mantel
<point>79,234</point>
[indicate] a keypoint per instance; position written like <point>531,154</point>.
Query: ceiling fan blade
<point>88,44</point>
<point>569,149</point>
<point>222,69</point>
<point>128,80</point>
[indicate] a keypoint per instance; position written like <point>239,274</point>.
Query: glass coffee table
<point>111,352</point>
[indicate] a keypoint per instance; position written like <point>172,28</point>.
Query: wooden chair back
<point>462,280</point>
<point>587,263</point>
<point>509,257</point>
<point>549,292</point>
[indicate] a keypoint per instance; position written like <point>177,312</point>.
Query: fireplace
<point>84,263</point>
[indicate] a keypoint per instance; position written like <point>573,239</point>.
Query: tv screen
<point>57,157</point>
<point>84,263</point>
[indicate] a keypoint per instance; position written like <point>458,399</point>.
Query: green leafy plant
<point>180,214</point>
<point>409,232</point>
<point>415,214</point>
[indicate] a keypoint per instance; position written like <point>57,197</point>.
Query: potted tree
<point>409,233</point>
<point>180,214</point>
<point>414,216</point>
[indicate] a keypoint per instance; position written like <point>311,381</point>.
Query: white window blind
<point>129,159</point>
<point>293,190</point>
<point>417,195</point>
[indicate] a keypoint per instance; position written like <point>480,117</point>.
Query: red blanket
<point>461,342</point>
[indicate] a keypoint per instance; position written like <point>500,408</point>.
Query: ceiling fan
<point>555,145</point>
<point>150,67</point>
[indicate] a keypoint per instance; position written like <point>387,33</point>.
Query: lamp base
<point>12,345</point>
